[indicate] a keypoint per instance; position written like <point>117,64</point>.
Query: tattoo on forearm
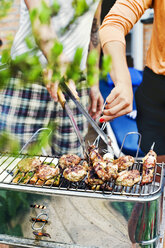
<point>94,33</point>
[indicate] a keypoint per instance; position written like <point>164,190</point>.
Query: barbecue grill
<point>145,217</point>
<point>74,215</point>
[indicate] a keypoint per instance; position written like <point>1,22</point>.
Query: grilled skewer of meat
<point>75,173</point>
<point>108,157</point>
<point>68,160</point>
<point>112,169</point>
<point>94,155</point>
<point>128,178</point>
<point>149,162</point>
<point>93,178</point>
<point>100,169</point>
<point>124,162</point>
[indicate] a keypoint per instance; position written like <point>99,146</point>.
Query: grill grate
<point>136,193</point>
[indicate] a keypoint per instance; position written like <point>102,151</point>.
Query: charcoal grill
<point>139,196</point>
<point>119,193</point>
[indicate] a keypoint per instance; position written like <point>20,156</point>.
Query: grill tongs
<point>63,86</point>
<point>64,104</point>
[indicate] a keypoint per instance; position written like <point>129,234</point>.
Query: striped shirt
<point>78,35</point>
<point>121,18</point>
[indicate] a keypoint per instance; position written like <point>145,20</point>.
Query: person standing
<point>149,96</point>
<point>24,110</point>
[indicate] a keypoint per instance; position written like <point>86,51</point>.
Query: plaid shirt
<point>24,110</point>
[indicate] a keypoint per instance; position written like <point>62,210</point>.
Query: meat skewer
<point>149,162</point>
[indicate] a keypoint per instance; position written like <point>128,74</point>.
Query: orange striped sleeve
<point>121,18</point>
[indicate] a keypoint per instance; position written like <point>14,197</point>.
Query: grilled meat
<point>68,160</point>
<point>108,157</point>
<point>124,162</point>
<point>112,169</point>
<point>93,178</point>
<point>46,171</point>
<point>128,178</point>
<point>149,162</point>
<point>28,164</point>
<point>75,173</point>
<point>94,154</point>
<point>85,165</point>
<point>100,169</point>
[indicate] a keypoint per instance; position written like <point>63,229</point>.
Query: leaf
<point>106,66</point>
<point>33,15</point>
<point>5,7</point>
<point>15,231</point>
<point>73,70</point>
<point>55,7</point>
<point>92,68</point>
<point>8,143</point>
<point>44,13</point>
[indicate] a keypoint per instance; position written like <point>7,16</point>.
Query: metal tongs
<point>63,86</point>
<point>64,104</point>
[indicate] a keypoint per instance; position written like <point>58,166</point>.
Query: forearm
<point>94,37</point>
<point>119,71</point>
<point>43,33</point>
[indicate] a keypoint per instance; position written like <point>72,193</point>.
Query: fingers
<point>119,102</point>
<point>112,96</point>
<point>95,109</point>
<point>52,87</point>
<point>113,113</point>
<point>72,87</point>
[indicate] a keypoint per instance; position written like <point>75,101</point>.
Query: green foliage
<point>44,13</point>
<point>33,15</point>
<point>73,70</point>
<point>29,65</point>
<point>92,68</point>
<point>4,76</point>
<point>54,61</point>
<point>5,7</point>
<point>80,7</point>
<point>55,8</point>
<point>44,138</point>
<point>30,42</point>
<point>8,143</point>
<point>106,66</point>
<point>11,204</point>
<point>30,68</point>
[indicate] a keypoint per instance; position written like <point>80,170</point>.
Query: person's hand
<point>119,102</point>
<point>96,103</point>
<point>52,87</point>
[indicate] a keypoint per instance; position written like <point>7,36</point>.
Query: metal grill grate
<point>136,193</point>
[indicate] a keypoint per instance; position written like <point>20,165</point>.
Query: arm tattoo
<point>94,33</point>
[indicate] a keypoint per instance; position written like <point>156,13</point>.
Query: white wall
<point>137,41</point>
